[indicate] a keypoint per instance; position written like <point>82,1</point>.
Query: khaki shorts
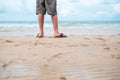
<point>43,6</point>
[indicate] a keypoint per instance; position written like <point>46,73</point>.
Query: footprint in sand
<point>54,56</point>
<point>86,38</point>
<point>107,48</point>
<point>103,44</point>
<point>102,39</point>
<point>84,45</point>
<point>17,45</point>
<point>63,78</point>
<point>9,41</point>
<point>118,42</point>
<point>37,43</point>
<point>115,56</point>
<point>116,48</point>
<point>7,64</point>
<point>72,45</point>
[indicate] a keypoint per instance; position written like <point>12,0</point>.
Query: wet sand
<point>78,57</point>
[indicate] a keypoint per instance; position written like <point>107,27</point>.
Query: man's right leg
<point>41,24</point>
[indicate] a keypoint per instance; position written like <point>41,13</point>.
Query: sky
<point>82,10</point>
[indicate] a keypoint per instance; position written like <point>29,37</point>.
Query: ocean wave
<point>66,27</point>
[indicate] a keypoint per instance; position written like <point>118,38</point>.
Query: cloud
<point>30,5</point>
<point>17,6</point>
<point>67,9</point>
<point>89,2</point>
<point>10,6</point>
<point>116,7</point>
<point>88,9</point>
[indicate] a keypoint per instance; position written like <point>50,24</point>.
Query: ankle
<point>41,33</point>
<point>56,34</point>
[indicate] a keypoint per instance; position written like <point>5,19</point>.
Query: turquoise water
<point>67,27</point>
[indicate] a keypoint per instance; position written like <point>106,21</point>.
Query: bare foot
<point>39,35</point>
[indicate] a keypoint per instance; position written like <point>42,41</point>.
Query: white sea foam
<point>65,27</point>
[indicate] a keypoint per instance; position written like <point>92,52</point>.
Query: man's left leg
<point>55,24</point>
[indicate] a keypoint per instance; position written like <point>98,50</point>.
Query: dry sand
<point>78,57</point>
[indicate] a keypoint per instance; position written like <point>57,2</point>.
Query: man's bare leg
<point>41,24</point>
<point>55,24</point>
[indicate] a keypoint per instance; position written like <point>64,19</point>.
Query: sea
<point>66,27</point>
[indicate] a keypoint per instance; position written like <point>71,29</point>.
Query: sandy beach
<point>77,57</point>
